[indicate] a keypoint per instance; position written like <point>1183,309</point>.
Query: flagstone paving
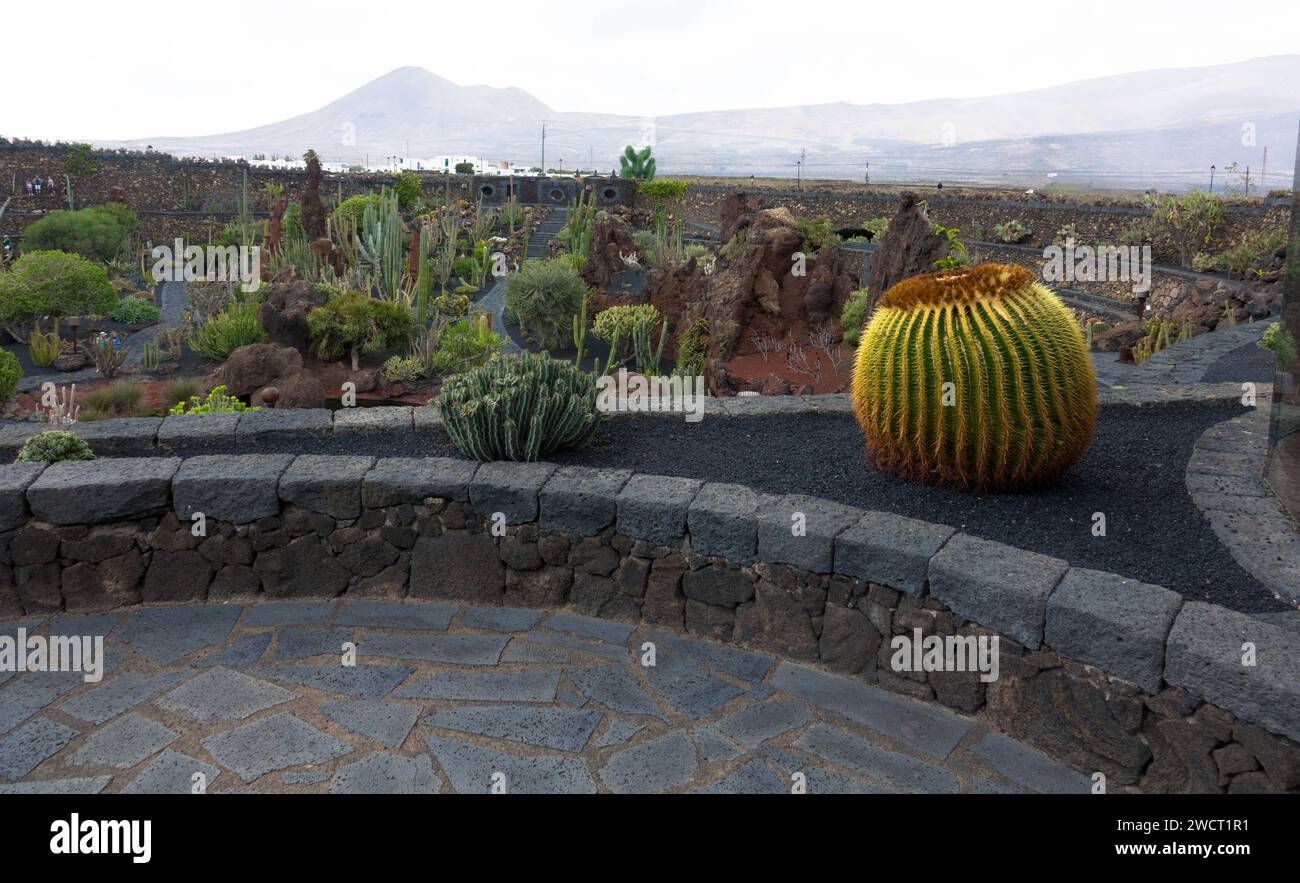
<point>371,696</point>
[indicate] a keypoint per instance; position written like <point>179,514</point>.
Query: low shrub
<point>465,344</point>
<point>1280,341</point>
<point>119,399</point>
<point>354,207</point>
<point>216,402</point>
<point>136,311</point>
<point>521,408</point>
<point>54,446</point>
<point>451,304</point>
<point>404,369</point>
<point>854,316</point>
<point>227,331</point>
<point>543,298</point>
<point>818,233</point>
<point>1011,232</point>
<point>356,323</point>
<point>11,371</point>
<point>692,349</point>
<point>1253,248</point>
<point>179,390</point>
<point>96,233</point>
<point>53,284</point>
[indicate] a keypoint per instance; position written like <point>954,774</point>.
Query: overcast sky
<point>87,69</point>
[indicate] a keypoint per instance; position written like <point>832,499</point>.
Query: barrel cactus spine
<point>976,378</point>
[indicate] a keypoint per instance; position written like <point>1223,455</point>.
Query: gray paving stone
<point>573,642</point>
<point>166,634</point>
<point>453,649</point>
<point>386,722</point>
<point>756,724</point>
<point>124,437</point>
<point>246,650</point>
<point>689,689</point>
<point>124,743</point>
<point>589,627</point>
<point>857,754</point>
<point>1119,625</point>
<point>396,480</point>
<point>29,693</point>
<point>172,773</point>
<point>373,421</point>
<point>509,488</point>
<point>384,773</point>
<point>500,619</point>
<point>651,767</point>
<point>580,500</point>
<point>221,694</point>
<point>93,624</point>
<point>813,549</point>
<point>714,746</point>
<point>280,613</point>
<point>890,550</point>
<point>818,779</point>
<point>102,491</point>
<point>754,777</point>
<point>927,728</point>
<point>1025,766</point>
<point>23,750</point>
<point>617,733</point>
<point>743,664</point>
<point>519,651</point>
<point>125,691</point>
<point>616,688</point>
<point>274,743</point>
<point>723,520</point>
<point>654,507</point>
<point>238,489</point>
<point>360,681</point>
<point>997,586</point>
<point>302,642</point>
<point>472,769</point>
<point>305,777</point>
<point>395,615</point>
<point>326,484</point>
<point>491,686</point>
<point>562,729</point>
<point>92,785</point>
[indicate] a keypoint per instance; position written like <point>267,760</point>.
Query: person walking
<point>29,186</point>
<point>36,185</point>
<point>49,183</point>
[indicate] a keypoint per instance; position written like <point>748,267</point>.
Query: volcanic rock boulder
<point>284,313</point>
<point>609,242</point>
<point>737,210</point>
<point>250,369</point>
<point>910,247</point>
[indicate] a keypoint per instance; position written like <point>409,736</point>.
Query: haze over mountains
<point>1151,128</point>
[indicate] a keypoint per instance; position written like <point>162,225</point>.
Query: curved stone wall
<point>1106,674</point>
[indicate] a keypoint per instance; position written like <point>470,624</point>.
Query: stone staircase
<point>539,244</point>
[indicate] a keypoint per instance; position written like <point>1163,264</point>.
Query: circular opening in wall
<point>487,190</point>
<point>557,194</point>
<point>610,194</point>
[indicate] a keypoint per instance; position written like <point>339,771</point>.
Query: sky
<point>106,71</point>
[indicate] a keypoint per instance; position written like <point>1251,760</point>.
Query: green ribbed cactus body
<point>977,378</point>
<point>519,408</point>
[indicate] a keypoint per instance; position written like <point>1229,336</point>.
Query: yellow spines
<point>976,378</point>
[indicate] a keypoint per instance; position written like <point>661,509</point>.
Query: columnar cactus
<point>519,408</point>
<point>975,378</point>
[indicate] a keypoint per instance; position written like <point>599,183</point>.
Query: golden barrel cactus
<point>975,378</point>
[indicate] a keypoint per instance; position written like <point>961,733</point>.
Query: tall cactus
<point>424,282</point>
<point>637,164</point>
<point>519,408</point>
<point>977,379</point>
<point>380,243</point>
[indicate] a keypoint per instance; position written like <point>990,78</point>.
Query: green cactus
<point>976,378</point>
<point>637,164</point>
<point>424,284</point>
<point>380,242</point>
<point>519,408</point>
<point>151,356</point>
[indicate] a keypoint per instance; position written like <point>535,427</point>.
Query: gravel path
<point>446,699</point>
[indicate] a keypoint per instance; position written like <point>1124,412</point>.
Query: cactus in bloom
<point>975,378</point>
<point>519,408</point>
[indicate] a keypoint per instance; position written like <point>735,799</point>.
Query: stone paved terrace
<point>443,698</point>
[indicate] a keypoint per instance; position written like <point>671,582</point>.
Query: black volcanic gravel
<point>1246,363</point>
<point>1133,473</point>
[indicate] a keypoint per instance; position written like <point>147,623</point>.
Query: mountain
<point>1161,127</point>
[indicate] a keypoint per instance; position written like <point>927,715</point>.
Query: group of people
<point>35,186</point>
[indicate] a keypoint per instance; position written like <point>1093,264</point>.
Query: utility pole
<point>1263,173</point>
<point>1211,177</point>
<point>803,152</point>
<point>543,148</point>
<point>1247,181</point>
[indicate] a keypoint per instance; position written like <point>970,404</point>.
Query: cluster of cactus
<point>54,446</point>
<point>1160,335</point>
<point>976,378</point>
<point>637,164</point>
<point>578,227</point>
<point>519,408</point>
<point>380,242</point>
